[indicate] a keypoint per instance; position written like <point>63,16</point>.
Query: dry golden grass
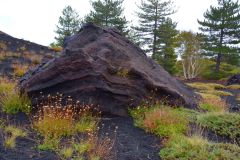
<point>11,101</point>
<point>57,48</point>
<point>206,86</point>
<point>19,69</point>
<point>210,88</point>
<point>12,133</point>
<point>217,93</point>
<point>207,95</point>
<point>234,87</point>
<point>238,97</point>
<point>33,57</point>
<point>123,72</point>
<point>55,121</point>
<point>2,57</point>
<point>6,86</point>
<point>10,54</point>
<point>101,146</point>
<point>214,105</point>
<point>165,121</point>
<point>3,46</point>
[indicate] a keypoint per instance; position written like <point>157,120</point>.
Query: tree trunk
<point>218,62</point>
<point>154,32</point>
<point>219,56</point>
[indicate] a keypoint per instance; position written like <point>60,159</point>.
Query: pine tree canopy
<point>108,13</point>
<point>221,27</point>
<point>166,43</point>
<point>151,15</point>
<point>68,24</point>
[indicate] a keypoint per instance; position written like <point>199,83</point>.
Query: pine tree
<point>221,27</point>
<point>166,43</point>
<point>108,13</point>
<point>69,24</point>
<point>151,16</point>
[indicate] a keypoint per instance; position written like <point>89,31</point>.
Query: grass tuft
<point>161,120</point>
<point>12,134</point>
<point>234,87</point>
<point>49,144</point>
<point>19,70</point>
<point>212,104</point>
<point>10,99</point>
<point>217,93</point>
<point>10,142</point>
<point>6,86</point>
<point>238,97</point>
<point>195,147</point>
<point>13,103</point>
<point>55,122</point>
<point>206,86</point>
<point>225,124</point>
<point>210,88</point>
<point>86,124</point>
<point>67,152</point>
<point>74,123</point>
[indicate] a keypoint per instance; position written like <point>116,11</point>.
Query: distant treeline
<point>212,53</point>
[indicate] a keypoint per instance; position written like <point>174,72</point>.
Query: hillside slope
<point>18,55</point>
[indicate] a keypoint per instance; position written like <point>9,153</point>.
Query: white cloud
<point>36,20</point>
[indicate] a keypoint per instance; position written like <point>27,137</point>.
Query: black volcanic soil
<point>234,105</point>
<point>131,143</point>
<point>14,51</point>
<point>25,147</point>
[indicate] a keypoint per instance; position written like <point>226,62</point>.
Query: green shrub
<point>226,124</point>
<point>197,148</point>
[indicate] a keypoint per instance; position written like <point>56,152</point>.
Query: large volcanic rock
<point>235,79</point>
<point>102,67</point>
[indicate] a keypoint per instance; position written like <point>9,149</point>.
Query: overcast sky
<point>36,20</point>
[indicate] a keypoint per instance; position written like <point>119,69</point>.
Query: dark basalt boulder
<point>102,67</point>
<point>235,79</point>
